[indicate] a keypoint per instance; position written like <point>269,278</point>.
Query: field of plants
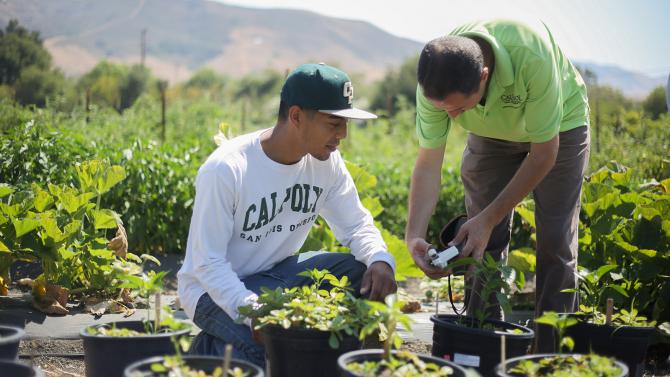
<point>113,156</point>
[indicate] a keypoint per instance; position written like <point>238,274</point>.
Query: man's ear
<point>484,75</point>
<point>295,115</point>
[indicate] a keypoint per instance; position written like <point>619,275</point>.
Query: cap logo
<point>348,91</point>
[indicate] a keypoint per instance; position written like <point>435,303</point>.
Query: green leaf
<point>97,176</point>
<point>72,201</point>
<point>527,215</point>
<point>602,270</point>
<point>51,229</point>
<point>25,226</point>
<point>373,205</point>
<point>567,343</point>
<point>333,342</point>
<point>147,257</point>
<point>5,190</point>
<point>522,260</point>
<point>102,253</point>
<point>4,248</point>
<point>104,219</point>
<point>65,253</point>
<point>158,368</point>
<point>42,198</point>
<point>11,210</point>
<point>362,179</point>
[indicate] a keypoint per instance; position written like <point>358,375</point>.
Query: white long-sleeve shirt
<point>251,212</point>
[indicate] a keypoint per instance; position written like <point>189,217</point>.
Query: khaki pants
<point>487,167</point>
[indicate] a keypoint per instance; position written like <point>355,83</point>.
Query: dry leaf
<point>119,244</point>
<point>411,307</point>
<point>52,300</point>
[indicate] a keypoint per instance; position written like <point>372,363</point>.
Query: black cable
<point>460,313</point>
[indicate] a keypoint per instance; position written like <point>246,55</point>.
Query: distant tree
<point>207,79</point>
<point>36,85</point>
<point>400,82</point>
<point>133,85</point>
<point>655,103</point>
<point>259,86</point>
<point>103,83</point>
<point>19,49</point>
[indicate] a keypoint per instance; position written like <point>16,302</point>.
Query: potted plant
<point>192,366</point>
<point>570,364</point>
<point>620,333</point>
<point>305,329</point>
<point>388,363</point>
<point>130,341</point>
<point>10,337</point>
<point>475,341</point>
<point>15,368</point>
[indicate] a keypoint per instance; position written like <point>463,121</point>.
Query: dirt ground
<point>66,356</point>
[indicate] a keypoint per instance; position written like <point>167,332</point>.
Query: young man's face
<point>322,134</point>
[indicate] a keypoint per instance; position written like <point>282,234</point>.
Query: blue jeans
<point>218,329</point>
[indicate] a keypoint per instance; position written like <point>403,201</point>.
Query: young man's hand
<point>418,248</point>
<point>257,335</point>
<point>378,281</point>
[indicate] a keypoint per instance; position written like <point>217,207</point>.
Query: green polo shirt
<point>533,94</point>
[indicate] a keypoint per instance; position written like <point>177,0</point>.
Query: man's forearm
<point>423,195</point>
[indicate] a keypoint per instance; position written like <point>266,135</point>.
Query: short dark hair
<point>450,64</point>
<point>282,114</point>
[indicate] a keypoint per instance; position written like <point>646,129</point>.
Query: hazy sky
<point>631,34</point>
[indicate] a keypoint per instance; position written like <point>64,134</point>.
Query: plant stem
<point>608,313</point>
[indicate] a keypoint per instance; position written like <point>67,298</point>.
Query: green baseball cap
<point>323,88</point>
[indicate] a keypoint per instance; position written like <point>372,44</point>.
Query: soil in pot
<point>458,339</point>
<point>191,366</point>
<point>303,353</point>
<point>10,337</point>
<point>576,365</point>
<point>368,363</point>
<point>107,356</point>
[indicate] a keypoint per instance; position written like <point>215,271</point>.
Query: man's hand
<point>418,248</point>
<point>378,281</point>
<point>257,335</point>
<point>476,233</point>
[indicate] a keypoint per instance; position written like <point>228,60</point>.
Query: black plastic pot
<point>17,369</point>
<point>107,356</point>
<point>477,348</point>
<point>377,354</point>
<point>303,353</point>
<point>502,368</point>
<point>10,337</point>
<point>626,343</point>
<point>206,364</point>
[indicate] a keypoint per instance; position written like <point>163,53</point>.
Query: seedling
<point>562,364</point>
<point>406,364</point>
<point>312,307</point>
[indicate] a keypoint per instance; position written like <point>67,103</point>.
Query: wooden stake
<point>226,358</point>
<point>437,303</point>
<point>502,350</point>
<point>157,304</point>
<point>608,312</point>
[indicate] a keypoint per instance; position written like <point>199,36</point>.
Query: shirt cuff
<point>382,256</point>
<point>252,299</point>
